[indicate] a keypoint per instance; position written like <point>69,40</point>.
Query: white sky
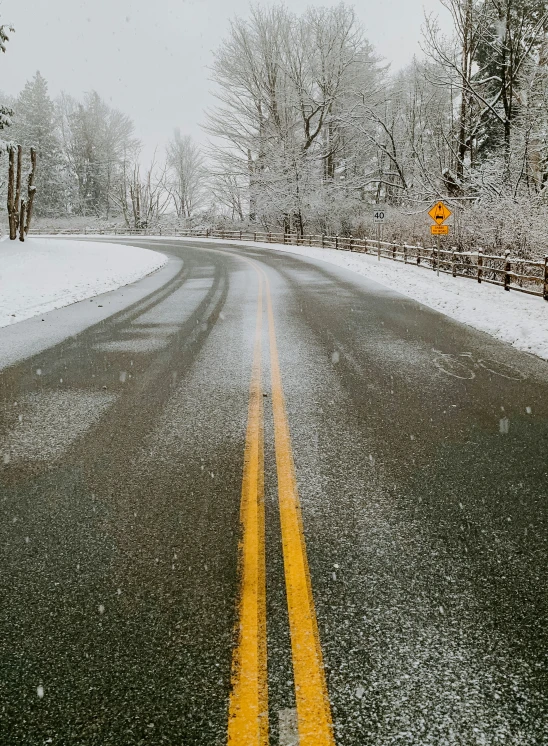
<point>149,58</point>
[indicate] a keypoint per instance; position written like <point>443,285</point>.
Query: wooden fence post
<point>207,232</point>
<point>323,240</point>
<point>546,277</point>
<point>419,247</point>
<point>405,253</point>
<point>337,242</point>
<point>351,244</point>
<point>394,252</point>
<point>480,265</point>
<point>454,261</point>
<point>507,268</point>
<point>269,237</point>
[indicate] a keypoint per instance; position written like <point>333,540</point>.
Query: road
<point>268,495</point>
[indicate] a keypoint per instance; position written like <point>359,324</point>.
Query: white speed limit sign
<point>379,214</point>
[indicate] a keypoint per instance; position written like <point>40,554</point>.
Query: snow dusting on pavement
<point>513,317</point>
<point>44,273</point>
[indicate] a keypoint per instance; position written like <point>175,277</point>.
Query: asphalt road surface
<point>271,502</point>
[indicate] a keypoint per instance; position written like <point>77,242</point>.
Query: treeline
<point>311,128</point>
<point>90,161</point>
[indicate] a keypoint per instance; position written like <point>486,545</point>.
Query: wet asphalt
<point>421,453</point>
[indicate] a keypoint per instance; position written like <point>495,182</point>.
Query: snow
<point>42,274</point>
<point>516,318</point>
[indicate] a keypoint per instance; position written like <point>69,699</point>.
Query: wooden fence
<point>524,275</point>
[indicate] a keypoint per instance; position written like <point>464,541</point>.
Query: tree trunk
<point>22,216</point>
<point>252,195</point>
<point>465,67</point>
<point>17,205</point>
<point>11,195</point>
<point>31,190</point>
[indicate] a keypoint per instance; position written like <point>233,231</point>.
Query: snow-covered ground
<point>46,273</point>
<point>513,317</point>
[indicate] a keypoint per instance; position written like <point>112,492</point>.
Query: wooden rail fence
<point>524,275</point>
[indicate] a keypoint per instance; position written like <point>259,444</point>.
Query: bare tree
<point>186,174</point>
<point>495,41</point>
<point>455,60</point>
<point>283,82</point>
<point>229,192</point>
<point>142,197</point>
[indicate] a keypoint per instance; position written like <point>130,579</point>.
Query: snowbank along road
<point>46,273</point>
<point>273,502</point>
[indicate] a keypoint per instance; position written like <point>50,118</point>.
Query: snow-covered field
<point>46,273</point>
<point>516,318</point>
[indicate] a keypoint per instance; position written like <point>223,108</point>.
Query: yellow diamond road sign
<point>439,213</point>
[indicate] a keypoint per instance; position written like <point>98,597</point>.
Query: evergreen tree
<point>34,125</point>
<point>97,140</point>
<point>5,111</point>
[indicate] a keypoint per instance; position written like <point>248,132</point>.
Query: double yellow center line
<point>248,707</point>
<point>248,710</point>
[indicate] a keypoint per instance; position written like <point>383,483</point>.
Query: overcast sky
<point>150,58</point>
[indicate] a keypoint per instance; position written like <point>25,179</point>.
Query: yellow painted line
<point>248,705</point>
<point>314,720</point>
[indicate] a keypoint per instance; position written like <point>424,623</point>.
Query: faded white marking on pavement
<point>287,727</point>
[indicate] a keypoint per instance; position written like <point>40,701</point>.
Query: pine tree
<point>34,125</point>
<point>96,140</point>
<point>6,112</point>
